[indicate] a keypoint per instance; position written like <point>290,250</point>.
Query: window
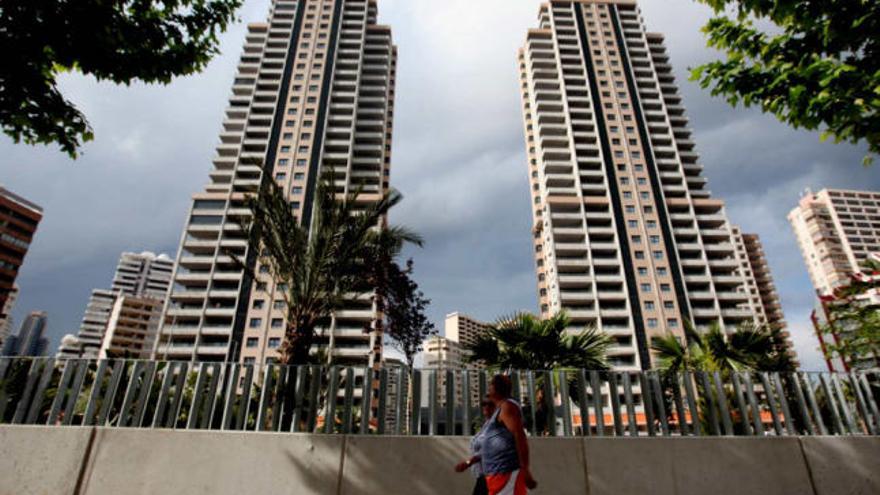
<point>630,209</point>
<point>637,239</point>
<point>252,341</point>
<point>658,255</point>
<point>300,163</point>
<point>249,360</point>
<point>649,305</point>
<point>256,322</point>
<point>640,255</point>
<point>261,286</point>
<point>668,304</point>
<point>652,322</point>
<point>264,268</point>
<point>274,343</point>
<point>661,271</point>
<point>299,176</point>
<point>655,239</point>
<point>643,271</point>
<point>672,323</point>
<point>283,162</point>
<point>280,176</point>
<point>277,323</point>
<point>665,288</point>
<point>646,287</point>
<point>633,224</point>
<point>279,304</point>
<point>296,190</point>
<point>259,303</point>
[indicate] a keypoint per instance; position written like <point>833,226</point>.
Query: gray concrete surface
<point>41,461</point>
<point>49,460</point>
<point>851,467</point>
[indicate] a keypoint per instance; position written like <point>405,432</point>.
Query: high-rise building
<point>463,329</point>
<point>138,277</point>
<point>313,98</point>
<point>18,223</point>
<point>131,330</point>
<point>837,231</point>
<point>626,235</point>
<point>31,340</point>
<point>6,320</point>
<point>444,353</point>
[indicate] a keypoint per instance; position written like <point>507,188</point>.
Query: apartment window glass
<point>274,343</point>
<point>252,341</point>
<point>256,322</point>
<point>259,303</point>
<point>646,287</point>
<point>277,323</point>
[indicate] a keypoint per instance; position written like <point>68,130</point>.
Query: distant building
<point>70,348</point>
<point>450,352</point>
<point>141,282</point>
<point>464,329</point>
<point>763,297</point>
<point>444,353</point>
<point>31,340</point>
<point>18,223</point>
<point>6,315</point>
<point>837,230</point>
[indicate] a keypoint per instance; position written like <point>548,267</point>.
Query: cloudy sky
<point>459,159</point>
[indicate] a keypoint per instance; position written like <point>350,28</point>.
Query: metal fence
<point>320,399</point>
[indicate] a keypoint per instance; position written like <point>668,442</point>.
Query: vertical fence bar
<point>317,373</point>
<point>402,393</point>
<point>533,404</point>
<point>467,426</point>
<point>768,391</point>
<point>366,400</point>
<point>140,406</point>
<point>60,392</point>
<point>872,404</point>
<point>332,396</point>
<point>37,400</point>
<point>265,396</point>
<point>814,405</point>
<point>582,402</point>
<point>661,403</point>
<point>383,397</point>
<point>515,388</point>
<point>193,418</point>
<point>679,404</point>
<point>210,398</point>
<point>232,374</point>
<point>832,405</point>
<point>432,402</point>
<point>614,394</point>
<point>130,391</point>
<point>245,404</point>
<point>645,388</point>
<point>179,393</point>
<point>783,402</point>
<point>75,391</point>
<point>566,404</point>
<point>348,401</point>
<point>162,401</point>
<point>802,404</point>
<point>844,404</point>
<point>710,403</point>
<point>861,407</point>
<point>722,404</point>
<point>24,401</point>
<point>119,368</point>
<point>550,402</point>
<point>450,403</point>
<point>632,424</point>
<point>598,405</point>
<point>416,414</point>
<point>95,394</point>
<point>300,400</point>
<point>741,404</point>
<point>692,403</point>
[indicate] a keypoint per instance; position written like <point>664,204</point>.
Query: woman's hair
<point>502,385</point>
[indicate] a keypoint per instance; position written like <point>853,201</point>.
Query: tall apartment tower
<point>141,281</point>
<point>463,329</point>
<point>626,235</point>
<point>837,231</point>
<point>31,340</point>
<point>6,314</point>
<point>313,97</point>
<point>18,224</point>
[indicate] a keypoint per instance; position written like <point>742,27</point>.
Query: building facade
<point>837,231</point>
<point>6,320</point>
<point>626,235</point>
<point>140,279</point>
<point>313,98</point>
<point>19,219</point>
<point>463,329</point>
<point>31,340</point>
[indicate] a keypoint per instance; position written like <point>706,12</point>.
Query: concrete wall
<point>84,461</point>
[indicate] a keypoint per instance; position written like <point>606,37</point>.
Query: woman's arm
<point>463,465</point>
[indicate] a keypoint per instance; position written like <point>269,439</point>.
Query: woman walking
<point>505,450</point>
<point>474,461</point>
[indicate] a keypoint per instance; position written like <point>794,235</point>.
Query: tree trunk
<point>298,343</point>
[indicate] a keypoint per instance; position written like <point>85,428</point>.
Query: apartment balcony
<point>736,313</point>
<point>356,314</point>
<point>573,281</point>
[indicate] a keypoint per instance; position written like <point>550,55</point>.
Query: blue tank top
<point>498,450</point>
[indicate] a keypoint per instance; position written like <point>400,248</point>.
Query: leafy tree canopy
<point>120,41</point>
<point>817,67</point>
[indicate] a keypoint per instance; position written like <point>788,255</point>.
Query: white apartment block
<point>463,329</point>
<point>444,353</point>
<point>313,97</point>
<point>627,237</point>
<point>837,230</point>
<point>138,275</point>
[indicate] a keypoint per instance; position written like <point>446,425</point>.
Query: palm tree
<point>525,342</point>
<point>748,348</point>
<point>342,254</point>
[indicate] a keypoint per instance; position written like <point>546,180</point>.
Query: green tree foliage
<point>525,342</point>
<point>317,269</point>
<point>406,324</point>
<point>122,41</point>
<point>749,348</point>
<point>816,67</point>
<point>854,322</point>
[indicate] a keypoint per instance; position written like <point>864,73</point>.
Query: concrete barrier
<point>52,460</point>
<point>851,467</point>
<point>42,461</point>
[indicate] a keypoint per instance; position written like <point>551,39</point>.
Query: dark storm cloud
<point>458,158</point>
